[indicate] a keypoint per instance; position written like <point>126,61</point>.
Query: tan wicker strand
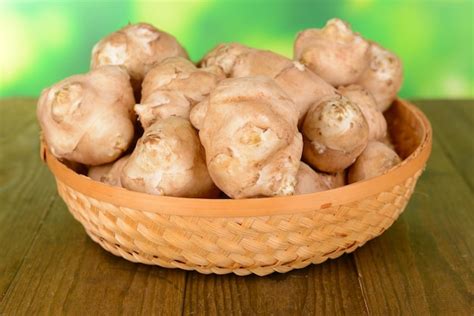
<point>341,229</point>
<point>261,244</point>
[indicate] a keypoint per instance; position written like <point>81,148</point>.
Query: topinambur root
<point>366,103</point>
<point>172,88</point>
<point>137,47</point>
<point>375,160</point>
<point>89,118</point>
<point>310,181</point>
<point>302,85</point>
<point>248,127</point>
<point>383,78</point>
<point>169,160</point>
<point>335,52</point>
<point>335,132</point>
<point>109,173</point>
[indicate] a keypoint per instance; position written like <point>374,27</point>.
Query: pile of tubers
<point>242,123</point>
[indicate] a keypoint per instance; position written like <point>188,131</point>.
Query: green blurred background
<point>42,42</point>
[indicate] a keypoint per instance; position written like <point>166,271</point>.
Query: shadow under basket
<point>247,236</point>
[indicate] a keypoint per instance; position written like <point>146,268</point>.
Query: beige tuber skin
<point>109,173</point>
<point>383,78</point>
<point>223,57</point>
<point>248,127</point>
<point>137,47</point>
<point>335,52</point>
<point>375,160</point>
<point>366,103</point>
<point>335,132</point>
<point>310,181</point>
<point>387,140</point>
<point>238,61</point>
<point>172,88</point>
<point>89,118</point>
<point>169,160</point>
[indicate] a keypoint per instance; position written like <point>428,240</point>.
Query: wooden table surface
<point>422,265</point>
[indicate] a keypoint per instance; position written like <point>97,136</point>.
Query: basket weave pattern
<point>259,245</point>
<point>259,236</point>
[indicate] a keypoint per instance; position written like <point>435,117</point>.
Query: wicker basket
<point>258,236</point>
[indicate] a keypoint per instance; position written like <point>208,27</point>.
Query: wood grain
<point>421,265</point>
<point>27,190</point>
<point>67,273</point>
<point>331,288</point>
<point>424,262</point>
<point>454,128</point>
<point>49,264</point>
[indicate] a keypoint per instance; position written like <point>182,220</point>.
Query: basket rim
<point>268,206</point>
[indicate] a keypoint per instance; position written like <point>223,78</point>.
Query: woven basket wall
<point>258,236</point>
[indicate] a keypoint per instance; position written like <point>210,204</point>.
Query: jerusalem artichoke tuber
<point>310,181</point>
<point>375,160</point>
<point>335,132</point>
<point>335,52</point>
<point>169,160</point>
<point>302,85</point>
<point>366,103</point>
<point>137,47</point>
<point>89,118</point>
<point>383,78</point>
<point>109,173</point>
<point>248,127</point>
<point>172,88</point>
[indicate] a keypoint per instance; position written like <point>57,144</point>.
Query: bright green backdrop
<point>43,42</point>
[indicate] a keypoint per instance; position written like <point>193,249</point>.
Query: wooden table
<point>422,265</point>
